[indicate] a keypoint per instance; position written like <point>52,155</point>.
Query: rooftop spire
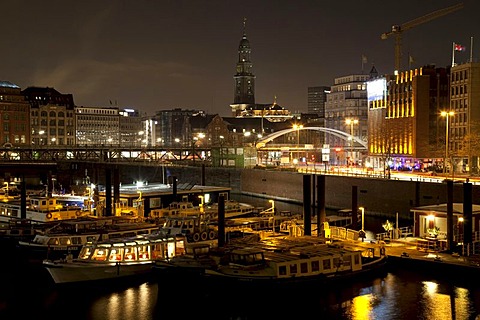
<point>244,27</point>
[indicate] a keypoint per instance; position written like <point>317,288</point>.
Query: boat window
<point>347,261</point>
<point>100,254</point>
<point>130,254</point>
<point>337,263</point>
<point>357,259</point>
<point>116,254</point>
<point>282,270</point>
<point>144,253</point>
<point>53,241</point>
<point>76,240</point>
<point>91,239</point>
<point>85,253</point>
<point>128,234</point>
<point>304,267</point>
<point>315,266</point>
<point>327,264</point>
<point>293,268</point>
<point>65,241</point>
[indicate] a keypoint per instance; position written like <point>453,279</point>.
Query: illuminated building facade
<point>133,131</point>
<point>346,100</point>
<point>14,116</point>
<point>405,127</point>
<point>465,125</point>
<point>316,99</point>
<point>97,125</point>
<point>51,116</point>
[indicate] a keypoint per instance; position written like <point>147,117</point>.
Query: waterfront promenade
<point>407,252</point>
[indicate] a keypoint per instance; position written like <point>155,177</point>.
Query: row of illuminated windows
<point>459,75</point>
<point>52,122</point>
<point>97,111</point>
<point>315,265</point>
<point>459,118</point>
<point>16,116</point>
<point>17,127</point>
<point>16,139</point>
<point>462,89</point>
<point>51,114</point>
<point>343,114</point>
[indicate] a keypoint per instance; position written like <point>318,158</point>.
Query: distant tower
<point>244,78</point>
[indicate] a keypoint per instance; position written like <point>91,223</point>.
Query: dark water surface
<point>28,293</point>
<point>396,295</point>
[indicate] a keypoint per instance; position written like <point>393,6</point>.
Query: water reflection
<point>132,303</point>
<point>399,294</point>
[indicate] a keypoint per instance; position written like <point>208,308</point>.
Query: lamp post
<point>447,115</point>
<point>362,209</point>
<point>222,139</point>
<point>273,214</point>
<point>298,127</point>
<point>362,233</point>
<point>351,122</point>
<point>195,139</point>
<point>41,133</point>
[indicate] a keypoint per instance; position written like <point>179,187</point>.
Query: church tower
<point>244,78</point>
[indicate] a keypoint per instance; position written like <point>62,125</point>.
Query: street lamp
<point>298,127</point>
<point>446,114</point>
<point>362,233</point>
<point>273,214</point>
<point>351,122</point>
<point>222,139</point>
<point>41,133</point>
<point>362,209</point>
<point>195,139</point>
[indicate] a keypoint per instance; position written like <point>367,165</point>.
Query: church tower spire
<point>244,78</point>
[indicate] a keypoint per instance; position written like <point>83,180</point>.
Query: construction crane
<point>397,30</point>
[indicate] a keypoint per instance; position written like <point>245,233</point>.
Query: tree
<point>470,147</point>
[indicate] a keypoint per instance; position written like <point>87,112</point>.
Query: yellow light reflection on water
<point>132,303</point>
<point>361,307</point>
<point>451,304</point>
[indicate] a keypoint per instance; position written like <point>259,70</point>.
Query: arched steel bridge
<point>340,134</point>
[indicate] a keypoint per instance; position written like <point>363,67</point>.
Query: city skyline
<point>154,56</point>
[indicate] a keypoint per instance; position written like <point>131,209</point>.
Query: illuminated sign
<point>376,89</point>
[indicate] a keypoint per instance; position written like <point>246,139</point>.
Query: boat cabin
<point>130,250</point>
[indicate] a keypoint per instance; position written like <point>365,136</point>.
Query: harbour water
<point>395,295</point>
<point>28,293</point>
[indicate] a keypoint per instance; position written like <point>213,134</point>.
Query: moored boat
<point>289,260</point>
<point>232,209</point>
<point>42,209</point>
<point>68,237</point>
<point>114,259</point>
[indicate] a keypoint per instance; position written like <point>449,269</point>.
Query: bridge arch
<point>340,134</point>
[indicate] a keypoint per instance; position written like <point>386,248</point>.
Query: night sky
<point>153,54</point>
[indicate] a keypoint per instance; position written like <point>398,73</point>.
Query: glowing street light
<point>446,114</point>
<point>298,127</point>
<point>351,122</point>
<point>362,209</point>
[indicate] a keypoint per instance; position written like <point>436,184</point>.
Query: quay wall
<point>376,195</point>
<point>380,196</point>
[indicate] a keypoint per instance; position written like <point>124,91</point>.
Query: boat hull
<point>264,278</point>
<point>77,272</point>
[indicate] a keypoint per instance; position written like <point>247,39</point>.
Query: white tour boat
<point>114,259</point>
<point>68,237</point>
